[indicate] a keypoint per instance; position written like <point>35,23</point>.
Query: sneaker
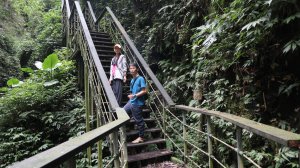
<point>138,140</point>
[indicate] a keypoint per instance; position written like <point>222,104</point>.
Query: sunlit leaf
<point>38,64</point>
<point>291,18</point>
<point>50,83</point>
<point>28,70</point>
<point>50,62</point>
<point>291,46</point>
<point>268,2</point>
<point>254,23</point>
<point>13,81</point>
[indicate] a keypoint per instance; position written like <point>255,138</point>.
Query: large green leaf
<point>28,70</point>
<point>50,62</point>
<point>13,81</point>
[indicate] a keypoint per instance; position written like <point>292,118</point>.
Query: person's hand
<point>130,96</point>
<point>124,79</point>
<point>110,81</point>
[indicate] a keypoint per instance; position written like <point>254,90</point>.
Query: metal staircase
<point>153,149</point>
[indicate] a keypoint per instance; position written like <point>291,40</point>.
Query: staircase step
<point>147,142</point>
<point>105,57</point>
<point>146,110</point>
<point>104,46</point>
<point>103,43</point>
<point>145,119</point>
<point>149,130</point>
<point>149,155</point>
<point>106,66</point>
<point>149,122</point>
<point>104,35</point>
<point>105,61</point>
<point>101,39</point>
<point>106,51</point>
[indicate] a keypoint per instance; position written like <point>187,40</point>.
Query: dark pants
<point>117,87</point>
<point>137,116</point>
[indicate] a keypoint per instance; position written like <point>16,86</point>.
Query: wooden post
<point>87,108</point>
<point>184,138</point>
<point>239,147</point>
<point>209,140</point>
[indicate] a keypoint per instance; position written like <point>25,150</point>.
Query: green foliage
<point>40,113</point>
<point>50,62</point>
<point>42,29</point>
<point>242,55</point>
<point>13,82</point>
<point>8,64</point>
<point>284,157</point>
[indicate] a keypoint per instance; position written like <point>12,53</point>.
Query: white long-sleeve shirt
<point>121,69</point>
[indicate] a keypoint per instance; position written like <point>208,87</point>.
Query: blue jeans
<point>136,112</point>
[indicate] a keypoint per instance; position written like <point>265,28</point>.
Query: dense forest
<point>242,55</point>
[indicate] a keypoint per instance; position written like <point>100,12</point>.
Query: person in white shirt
<point>118,72</point>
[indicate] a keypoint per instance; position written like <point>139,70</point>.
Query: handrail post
<point>164,120</point>
<point>298,155</point>
<point>201,122</point>
<point>99,143</point>
<point>125,154</point>
<point>115,149</point>
<point>184,137</point>
<point>87,107</point>
<point>239,147</point>
<point>209,140</point>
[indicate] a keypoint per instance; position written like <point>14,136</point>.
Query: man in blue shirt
<point>136,100</point>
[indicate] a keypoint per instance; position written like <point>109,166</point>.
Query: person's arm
<point>124,68</point>
<point>141,93</point>
<point>110,72</point>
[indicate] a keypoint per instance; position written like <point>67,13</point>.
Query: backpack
<point>146,96</point>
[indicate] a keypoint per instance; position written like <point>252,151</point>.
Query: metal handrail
<point>62,152</point>
<point>280,136</point>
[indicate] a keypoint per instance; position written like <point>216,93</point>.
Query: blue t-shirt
<point>136,85</point>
